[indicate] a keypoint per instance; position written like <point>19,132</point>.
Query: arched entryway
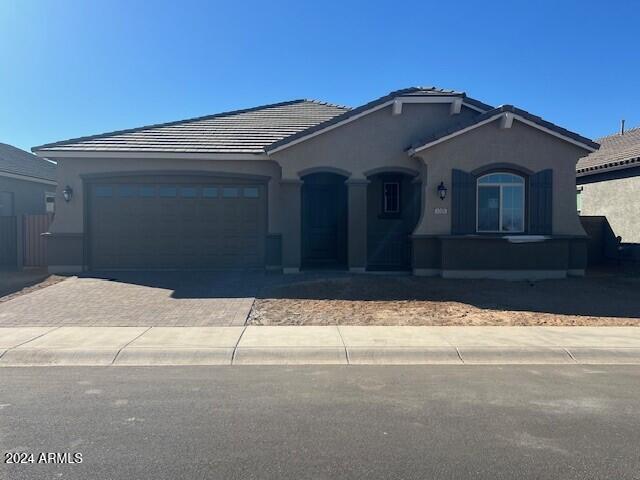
<point>393,211</point>
<point>324,221</point>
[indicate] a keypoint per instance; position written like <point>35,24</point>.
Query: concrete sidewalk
<point>347,345</point>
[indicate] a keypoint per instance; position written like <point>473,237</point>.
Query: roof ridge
<point>167,124</point>
<point>365,107</point>
<point>617,134</point>
<point>329,104</point>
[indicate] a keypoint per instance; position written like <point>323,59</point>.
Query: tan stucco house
<point>423,180</point>
<point>609,183</point>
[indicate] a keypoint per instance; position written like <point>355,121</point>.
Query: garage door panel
<point>177,225</point>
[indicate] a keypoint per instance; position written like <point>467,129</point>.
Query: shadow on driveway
<point>600,294</point>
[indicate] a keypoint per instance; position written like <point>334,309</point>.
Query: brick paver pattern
<point>136,299</point>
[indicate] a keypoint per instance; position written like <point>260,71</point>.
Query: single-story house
<point>609,183</point>
<point>422,179</point>
<point>27,186</point>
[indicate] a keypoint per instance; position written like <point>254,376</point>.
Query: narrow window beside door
<point>391,197</point>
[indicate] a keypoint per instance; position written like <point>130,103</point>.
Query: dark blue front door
<point>324,221</point>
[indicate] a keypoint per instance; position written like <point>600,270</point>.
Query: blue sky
<point>71,68</point>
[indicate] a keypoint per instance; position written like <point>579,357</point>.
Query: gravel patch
<point>405,300</point>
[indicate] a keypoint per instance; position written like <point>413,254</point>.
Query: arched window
<point>500,203</point>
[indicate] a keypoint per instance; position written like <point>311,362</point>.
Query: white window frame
<point>384,198</point>
<point>501,185</point>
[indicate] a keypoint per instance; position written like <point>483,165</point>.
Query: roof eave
<point>151,154</point>
<point>516,114</point>
<point>27,178</point>
<point>608,167</point>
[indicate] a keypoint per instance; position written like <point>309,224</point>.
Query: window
<point>127,191</point>
<point>500,203</point>
<point>210,192</point>
<point>250,192</point>
<point>147,191</point>
<point>104,192</point>
<point>49,201</point>
<point>230,192</point>
<point>167,192</point>
<point>391,197</point>
<point>188,192</point>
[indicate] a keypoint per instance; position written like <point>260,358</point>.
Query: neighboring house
<point>609,183</point>
<point>422,179</point>
<point>27,186</point>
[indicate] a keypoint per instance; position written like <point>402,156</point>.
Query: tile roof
<point>412,91</point>
<point>18,162</point>
<point>616,151</point>
<point>239,131</point>
<point>501,109</point>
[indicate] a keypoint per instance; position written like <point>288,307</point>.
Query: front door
<point>324,221</point>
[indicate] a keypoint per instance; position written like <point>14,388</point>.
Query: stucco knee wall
<point>494,257</point>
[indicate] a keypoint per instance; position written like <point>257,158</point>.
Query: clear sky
<point>71,68</point>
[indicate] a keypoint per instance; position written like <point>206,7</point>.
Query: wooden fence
<point>34,248</point>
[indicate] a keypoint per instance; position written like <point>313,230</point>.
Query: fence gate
<point>34,249</point>
<point>8,242</point>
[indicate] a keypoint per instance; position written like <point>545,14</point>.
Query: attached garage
<point>176,222</point>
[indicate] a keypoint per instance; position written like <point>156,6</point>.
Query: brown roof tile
<point>616,151</point>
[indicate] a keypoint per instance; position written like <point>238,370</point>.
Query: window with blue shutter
<point>541,202</point>
<point>463,202</point>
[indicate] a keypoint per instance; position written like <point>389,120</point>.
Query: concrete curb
<point>604,355</point>
<point>329,345</point>
<point>32,357</point>
<point>290,356</point>
<point>514,355</point>
<point>143,356</point>
<point>402,355</point>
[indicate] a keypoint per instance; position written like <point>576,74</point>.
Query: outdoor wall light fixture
<point>67,193</point>
<point>442,191</point>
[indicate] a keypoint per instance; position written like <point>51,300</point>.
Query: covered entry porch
<point>335,221</point>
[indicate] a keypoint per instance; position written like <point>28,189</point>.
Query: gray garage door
<point>177,224</point>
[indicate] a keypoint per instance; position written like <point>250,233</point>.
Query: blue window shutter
<point>541,203</point>
<point>463,202</point>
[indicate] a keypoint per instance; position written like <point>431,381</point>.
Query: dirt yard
<point>16,283</point>
<point>598,299</point>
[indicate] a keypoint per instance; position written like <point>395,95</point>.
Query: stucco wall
<point>28,197</point>
<point>376,140</point>
<point>520,145</point>
<point>69,216</point>
<point>618,200</point>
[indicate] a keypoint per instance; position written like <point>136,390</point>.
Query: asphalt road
<point>424,422</point>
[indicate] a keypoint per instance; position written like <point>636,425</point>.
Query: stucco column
<point>290,190</point>
<point>357,224</point>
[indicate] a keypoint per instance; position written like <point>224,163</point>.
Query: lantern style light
<point>67,193</point>
<point>442,191</point>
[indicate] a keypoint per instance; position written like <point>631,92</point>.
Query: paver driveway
<point>138,299</point>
